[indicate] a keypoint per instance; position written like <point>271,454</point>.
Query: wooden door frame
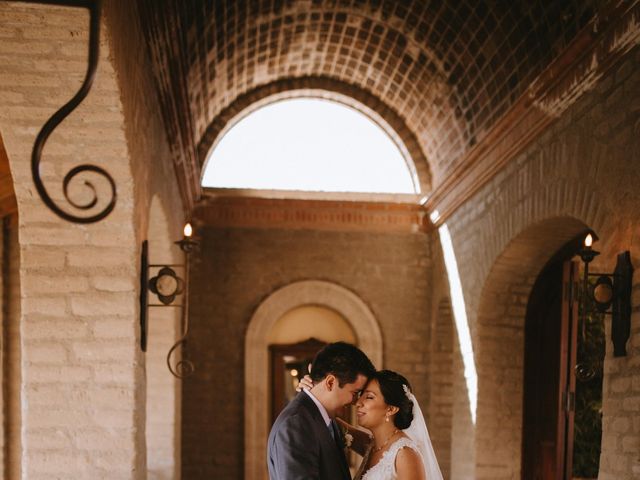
<point>277,352</point>
<point>556,457</point>
<point>567,381</point>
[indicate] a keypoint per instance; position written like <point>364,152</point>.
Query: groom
<point>305,442</point>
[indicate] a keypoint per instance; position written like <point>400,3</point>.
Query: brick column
<point>81,366</point>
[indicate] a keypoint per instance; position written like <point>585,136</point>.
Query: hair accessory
<point>407,392</point>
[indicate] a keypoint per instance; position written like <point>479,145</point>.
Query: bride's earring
<point>386,418</point>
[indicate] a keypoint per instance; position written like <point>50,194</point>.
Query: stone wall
<point>239,268</point>
<point>162,389</point>
<point>581,173</point>
<point>82,372</point>
<point>441,372</point>
<point>442,364</point>
<point>158,217</point>
<point>80,366</point>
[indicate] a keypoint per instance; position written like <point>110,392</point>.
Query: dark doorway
<point>289,363</point>
<point>564,351</point>
<point>542,391</point>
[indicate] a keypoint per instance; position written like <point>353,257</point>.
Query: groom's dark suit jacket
<point>301,447</point>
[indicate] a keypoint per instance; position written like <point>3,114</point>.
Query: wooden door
<point>289,362</point>
<point>567,383</point>
<point>549,382</point>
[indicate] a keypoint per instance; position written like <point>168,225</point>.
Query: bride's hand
<point>306,382</point>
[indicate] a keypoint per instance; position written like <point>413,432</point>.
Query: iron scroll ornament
<point>94,7</point>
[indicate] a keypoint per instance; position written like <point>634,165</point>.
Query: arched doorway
<point>500,354</point>
<point>564,355</point>
<point>298,294</point>
<point>293,342</point>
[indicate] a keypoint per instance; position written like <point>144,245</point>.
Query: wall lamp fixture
<point>610,293</point>
<point>166,285</point>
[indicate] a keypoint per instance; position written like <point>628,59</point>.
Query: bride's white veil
<point>418,432</point>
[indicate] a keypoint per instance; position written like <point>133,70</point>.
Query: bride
<point>400,447</point>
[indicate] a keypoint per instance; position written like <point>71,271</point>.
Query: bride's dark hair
<point>392,388</point>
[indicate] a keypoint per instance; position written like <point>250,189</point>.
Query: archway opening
<point>316,321</point>
<point>563,374</point>
<point>303,294</point>
<point>293,342</point>
<point>312,145</point>
<point>501,326</point>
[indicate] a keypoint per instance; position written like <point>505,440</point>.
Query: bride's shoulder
<point>404,441</point>
<point>408,461</point>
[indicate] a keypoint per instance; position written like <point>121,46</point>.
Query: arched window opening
<point>309,144</point>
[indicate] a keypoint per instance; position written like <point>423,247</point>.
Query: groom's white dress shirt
<point>298,448</point>
<point>323,411</point>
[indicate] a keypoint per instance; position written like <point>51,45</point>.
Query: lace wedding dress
<point>417,438</point>
<point>385,469</point>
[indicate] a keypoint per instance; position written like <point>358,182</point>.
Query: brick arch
<point>332,89</point>
<point>519,206</point>
<point>450,68</point>
<point>307,292</point>
<point>500,330</point>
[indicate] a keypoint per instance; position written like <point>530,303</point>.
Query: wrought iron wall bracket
<point>618,304</point>
<point>621,308</point>
<point>182,367</point>
<point>94,7</point>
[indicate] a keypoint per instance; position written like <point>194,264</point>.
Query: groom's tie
<point>335,433</point>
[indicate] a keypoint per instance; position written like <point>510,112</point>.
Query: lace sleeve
<point>385,469</point>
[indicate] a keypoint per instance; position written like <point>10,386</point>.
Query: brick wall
<point>151,162</point>
<point>163,389</point>
<point>441,367</point>
<point>158,217</point>
<point>441,405</point>
<point>449,68</point>
<point>580,173</point>
<point>79,364</point>
<point>83,398</point>
<point>463,434</point>
<point>239,268</point>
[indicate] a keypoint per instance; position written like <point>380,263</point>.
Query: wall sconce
<point>611,294</point>
<point>167,286</point>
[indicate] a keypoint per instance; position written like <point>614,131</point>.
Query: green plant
<point>588,405</point>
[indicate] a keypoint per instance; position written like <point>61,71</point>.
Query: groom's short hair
<point>343,360</point>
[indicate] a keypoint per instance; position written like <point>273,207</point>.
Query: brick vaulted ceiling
<point>443,70</point>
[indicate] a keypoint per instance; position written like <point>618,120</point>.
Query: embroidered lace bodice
<point>385,469</point>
